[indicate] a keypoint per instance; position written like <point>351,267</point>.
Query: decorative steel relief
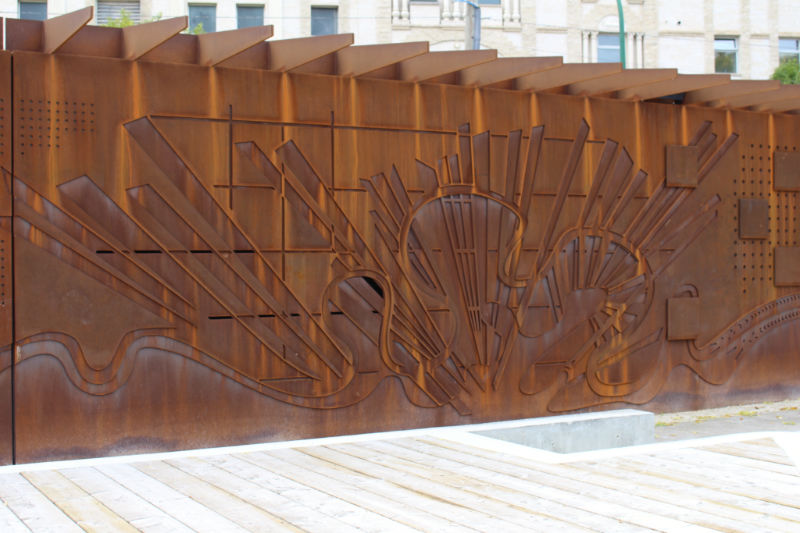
<point>275,240</point>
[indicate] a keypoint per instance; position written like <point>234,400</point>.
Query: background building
<point>747,38</point>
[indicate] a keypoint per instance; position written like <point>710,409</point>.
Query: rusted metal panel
<point>787,171</point>
<point>6,265</point>
<point>753,218</point>
<point>293,244</point>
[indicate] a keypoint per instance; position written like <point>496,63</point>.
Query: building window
<point>725,55</point>
<point>117,12</point>
<point>202,18</point>
<point>324,20</point>
<point>788,50</point>
<point>247,16</point>
<point>33,10</point>
<point>608,48</point>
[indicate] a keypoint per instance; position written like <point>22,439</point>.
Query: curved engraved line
<point>385,336</point>
<point>451,190</point>
<point>596,363</point>
<point>35,345</point>
<point>749,328</point>
<point>115,375</point>
<point>70,355</point>
<point>628,247</point>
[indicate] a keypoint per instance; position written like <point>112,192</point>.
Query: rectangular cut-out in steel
<point>786,171</point>
<point>753,218</point>
<point>683,318</point>
<point>787,266</point>
<point>682,165</point>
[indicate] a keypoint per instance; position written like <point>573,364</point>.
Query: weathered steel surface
<point>303,240</point>
<point>6,264</point>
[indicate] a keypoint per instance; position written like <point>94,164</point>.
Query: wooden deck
<point>437,480</point>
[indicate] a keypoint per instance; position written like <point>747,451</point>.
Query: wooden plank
<point>718,95</point>
<point>512,490</point>
<point>565,75</point>
<point>32,507</point>
<point>269,497</point>
<point>621,80</point>
<point>698,497</point>
<point>86,511</point>
<point>452,486</point>
<point>765,450</point>
<point>132,508</point>
<point>396,503</point>
<point>752,462</point>
<point>139,39</point>
<point>310,498</point>
<point>9,522</point>
<point>217,499</point>
<point>486,515</point>
<point>724,491</point>
<point>433,64</point>
<point>681,84</point>
<point>505,68</point>
<point>648,500</point>
<point>169,500</point>
<point>637,510</point>
<point>344,503</point>
<point>694,507</point>
<point>718,477</point>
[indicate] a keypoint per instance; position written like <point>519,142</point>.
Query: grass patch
<point>747,413</point>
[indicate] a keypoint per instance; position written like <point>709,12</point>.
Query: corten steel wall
<point>208,255</point>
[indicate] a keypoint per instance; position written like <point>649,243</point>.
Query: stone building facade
<point>745,37</point>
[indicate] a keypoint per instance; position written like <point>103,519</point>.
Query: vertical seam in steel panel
<point>333,168</point>
<point>230,156</point>
<point>333,179</point>
<point>13,279</point>
<point>283,209</point>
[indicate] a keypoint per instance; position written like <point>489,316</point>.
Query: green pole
<point>621,33</point>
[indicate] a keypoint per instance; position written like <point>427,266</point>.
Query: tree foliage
<point>123,21</point>
<point>788,72</point>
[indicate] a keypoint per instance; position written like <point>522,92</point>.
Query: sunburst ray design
<point>444,285</point>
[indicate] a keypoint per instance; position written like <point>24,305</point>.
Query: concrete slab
<point>577,432</point>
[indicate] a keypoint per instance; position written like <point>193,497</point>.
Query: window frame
<point>250,6</point>
<point>321,9</point>
<point>734,50</point>
<point>616,47</point>
<point>29,2</point>
<point>784,53</point>
<point>201,5</point>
